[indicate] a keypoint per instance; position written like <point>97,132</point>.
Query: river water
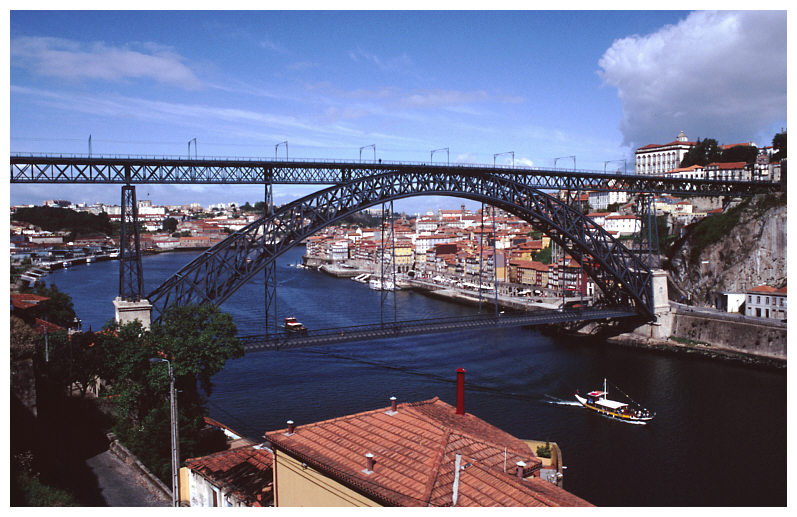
<point>719,438</point>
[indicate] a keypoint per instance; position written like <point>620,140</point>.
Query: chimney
<point>520,466</point>
<point>461,391</point>
<point>369,458</point>
<point>393,404</point>
<point>291,428</point>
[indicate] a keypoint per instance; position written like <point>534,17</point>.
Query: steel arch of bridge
<point>218,272</point>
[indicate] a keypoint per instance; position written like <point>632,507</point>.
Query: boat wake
<point>560,402</point>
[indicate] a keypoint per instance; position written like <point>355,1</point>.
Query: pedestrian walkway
<point>121,485</point>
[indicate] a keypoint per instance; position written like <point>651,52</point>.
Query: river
<point>719,437</point>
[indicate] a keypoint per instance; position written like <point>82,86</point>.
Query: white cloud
<point>714,75</point>
<point>65,59</point>
<point>402,61</point>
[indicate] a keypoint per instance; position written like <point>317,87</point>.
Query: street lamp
<point>573,157</point>
<point>276,147</point>
<point>366,147</point>
<point>625,164</point>
<point>508,152</point>
<point>175,434</point>
<point>448,158</point>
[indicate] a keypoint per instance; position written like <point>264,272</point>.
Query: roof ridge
<point>441,453</point>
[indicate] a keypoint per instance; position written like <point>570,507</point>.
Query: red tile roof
<point>26,300</point>
<point>414,452</point>
<point>768,290</point>
<point>41,326</point>
<point>246,472</point>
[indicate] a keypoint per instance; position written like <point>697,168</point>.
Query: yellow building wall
<point>298,485</point>
<point>183,485</point>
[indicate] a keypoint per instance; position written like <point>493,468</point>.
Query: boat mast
<point>604,388</point>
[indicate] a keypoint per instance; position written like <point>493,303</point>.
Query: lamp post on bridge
<point>448,159</point>
<point>625,164</point>
<point>175,432</point>
<point>276,147</point>
<point>561,157</point>
<point>508,152</point>
<point>366,147</point>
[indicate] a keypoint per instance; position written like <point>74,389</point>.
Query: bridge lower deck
<point>332,336</point>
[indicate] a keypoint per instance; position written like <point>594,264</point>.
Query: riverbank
<point>674,347</point>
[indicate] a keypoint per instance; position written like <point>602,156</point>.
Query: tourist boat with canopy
<point>599,402</point>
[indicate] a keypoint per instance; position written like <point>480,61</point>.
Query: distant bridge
<point>334,336</point>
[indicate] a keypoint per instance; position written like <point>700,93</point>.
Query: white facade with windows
<point>655,159</point>
<point>766,302</point>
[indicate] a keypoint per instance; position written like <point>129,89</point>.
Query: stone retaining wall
<point>152,481</point>
<point>744,336</point>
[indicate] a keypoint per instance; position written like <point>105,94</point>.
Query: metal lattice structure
<point>131,280</point>
<point>218,272</point>
<point>258,171</point>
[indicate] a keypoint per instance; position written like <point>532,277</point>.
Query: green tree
<point>543,256</point>
<point>197,340</point>
<point>779,144</point>
<point>704,152</point>
<point>170,225</point>
<point>23,339</point>
<point>58,309</point>
<point>740,153</point>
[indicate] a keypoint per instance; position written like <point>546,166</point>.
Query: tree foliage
<point>704,152</point>
<point>779,144</point>
<point>58,309</point>
<point>52,219</point>
<point>739,153</point>
<point>197,340</point>
<point>23,339</point>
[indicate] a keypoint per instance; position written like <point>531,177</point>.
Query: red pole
<point>460,391</point>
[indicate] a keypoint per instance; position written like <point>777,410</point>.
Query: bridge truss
<point>216,274</point>
<point>209,171</point>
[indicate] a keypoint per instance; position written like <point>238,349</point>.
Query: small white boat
<point>599,402</point>
<point>376,285</point>
<point>293,326</point>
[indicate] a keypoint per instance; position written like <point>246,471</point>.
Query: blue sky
<point>542,84</point>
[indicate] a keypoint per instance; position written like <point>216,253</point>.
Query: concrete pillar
<point>661,327</point>
<point>127,311</point>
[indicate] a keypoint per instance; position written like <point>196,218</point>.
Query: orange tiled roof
<point>414,453</point>
<point>768,289</point>
<point>41,326</point>
<point>246,472</point>
<point>26,300</point>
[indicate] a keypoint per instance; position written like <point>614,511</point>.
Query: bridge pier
<point>661,326</point>
<point>126,311</point>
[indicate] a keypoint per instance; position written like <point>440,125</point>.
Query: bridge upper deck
<point>247,171</point>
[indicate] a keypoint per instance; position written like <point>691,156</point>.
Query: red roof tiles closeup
<point>415,450</point>
<point>245,472</point>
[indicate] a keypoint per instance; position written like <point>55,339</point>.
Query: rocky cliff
<point>742,248</point>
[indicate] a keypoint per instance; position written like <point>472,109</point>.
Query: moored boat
<point>599,402</point>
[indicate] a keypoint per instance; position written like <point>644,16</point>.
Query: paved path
<point>120,485</point>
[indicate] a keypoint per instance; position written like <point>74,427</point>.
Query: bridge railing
<point>329,161</point>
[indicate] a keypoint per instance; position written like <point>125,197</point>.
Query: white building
<point>601,199</point>
<point>623,224</point>
<point>656,159</point>
<point>766,302</point>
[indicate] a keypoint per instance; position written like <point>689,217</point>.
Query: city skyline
<point>545,86</point>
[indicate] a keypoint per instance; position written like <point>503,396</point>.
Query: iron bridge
<point>333,336</point>
<point>79,169</point>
